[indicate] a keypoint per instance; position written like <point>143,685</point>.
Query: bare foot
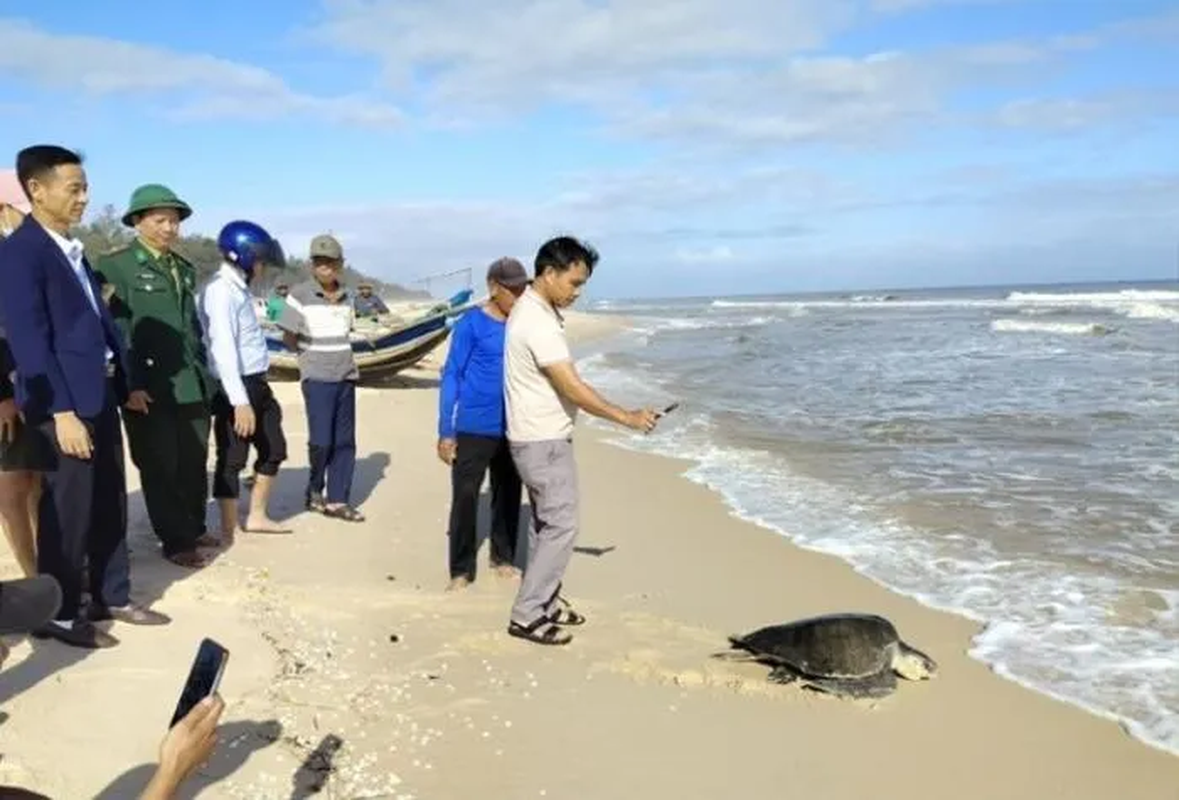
<point>506,571</point>
<point>263,525</point>
<point>461,582</point>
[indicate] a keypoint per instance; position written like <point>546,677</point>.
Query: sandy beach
<point>344,630</point>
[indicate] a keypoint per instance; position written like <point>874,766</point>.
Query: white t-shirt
<point>535,338</point>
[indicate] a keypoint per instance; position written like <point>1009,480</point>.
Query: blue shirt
<point>233,333</point>
<point>471,399</point>
<point>369,306</point>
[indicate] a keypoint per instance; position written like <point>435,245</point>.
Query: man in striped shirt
<point>317,322</point>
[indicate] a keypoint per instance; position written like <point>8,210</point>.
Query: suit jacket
<point>7,390</point>
<point>58,343</point>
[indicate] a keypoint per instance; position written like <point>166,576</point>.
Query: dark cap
<point>28,603</point>
<point>508,272</point>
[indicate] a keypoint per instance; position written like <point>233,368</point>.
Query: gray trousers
<point>549,473</point>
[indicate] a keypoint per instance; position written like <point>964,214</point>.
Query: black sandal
<point>551,634</point>
<point>346,513</point>
<point>565,615</point>
<point>314,502</point>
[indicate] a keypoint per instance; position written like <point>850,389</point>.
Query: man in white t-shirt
<point>542,394</point>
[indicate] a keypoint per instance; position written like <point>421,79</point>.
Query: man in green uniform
<point>152,298</point>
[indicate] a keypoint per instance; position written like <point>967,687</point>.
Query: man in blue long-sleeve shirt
<point>472,435</point>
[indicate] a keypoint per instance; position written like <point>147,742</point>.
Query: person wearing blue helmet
<point>245,410</point>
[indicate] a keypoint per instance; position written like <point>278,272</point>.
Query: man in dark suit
<point>71,381</point>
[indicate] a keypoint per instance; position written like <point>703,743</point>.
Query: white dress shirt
<point>73,251</point>
<point>233,334</point>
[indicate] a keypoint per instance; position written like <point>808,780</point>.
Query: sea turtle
<point>850,655</point>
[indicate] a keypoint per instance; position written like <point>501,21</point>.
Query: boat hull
<point>377,356</point>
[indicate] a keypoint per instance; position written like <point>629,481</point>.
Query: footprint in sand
<point>652,666</point>
<point>665,651</point>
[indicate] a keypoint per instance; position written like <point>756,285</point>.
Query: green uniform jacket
<point>158,316</point>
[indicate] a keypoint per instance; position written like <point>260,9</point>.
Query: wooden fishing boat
<point>384,346</point>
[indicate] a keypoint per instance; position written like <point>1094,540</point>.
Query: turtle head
<point>913,665</point>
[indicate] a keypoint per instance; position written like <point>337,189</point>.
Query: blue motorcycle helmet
<point>247,245</point>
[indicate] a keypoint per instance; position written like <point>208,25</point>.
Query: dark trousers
<point>331,437</point>
<point>233,451</point>
<point>83,516</point>
<point>474,456</point>
<point>170,448</point>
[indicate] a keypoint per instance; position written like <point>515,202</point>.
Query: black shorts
<point>233,451</point>
<point>29,451</point>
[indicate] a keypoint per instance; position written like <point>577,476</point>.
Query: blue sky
<point>704,146</point>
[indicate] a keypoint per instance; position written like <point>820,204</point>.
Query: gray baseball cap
<point>327,246</point>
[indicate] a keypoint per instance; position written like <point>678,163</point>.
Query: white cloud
<point>1163,26</point>
<point>192,86</point>
<point>1011,216</point>
<point>734,72</point>
<point>753,81</point>
<point>520,53</point>
<point>404,241</point>
<point>1125,107</point>
<point>901,6</point>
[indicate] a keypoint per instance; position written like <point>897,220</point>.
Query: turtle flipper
<point>782,675</point>
<point>873,686</point>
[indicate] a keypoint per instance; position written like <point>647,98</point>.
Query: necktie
<point>168,262</point>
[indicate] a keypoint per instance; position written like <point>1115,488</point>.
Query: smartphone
<point>203,678</point>
<point>670,408</point>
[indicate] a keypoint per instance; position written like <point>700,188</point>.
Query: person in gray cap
<point>317,322</point>
<point>471,433</point>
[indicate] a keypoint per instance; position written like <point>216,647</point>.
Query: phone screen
<point>203,678</point>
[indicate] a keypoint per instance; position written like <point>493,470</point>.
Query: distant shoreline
<point>1150,283</point>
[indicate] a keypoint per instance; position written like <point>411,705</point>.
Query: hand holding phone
<point>203,678</point>
<point>187,744</point>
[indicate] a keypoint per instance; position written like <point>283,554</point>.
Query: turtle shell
<point>829,646</point>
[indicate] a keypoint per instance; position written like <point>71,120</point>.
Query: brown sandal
<point>189,558</point>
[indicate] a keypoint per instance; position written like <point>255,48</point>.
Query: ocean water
<point>1011,454</point>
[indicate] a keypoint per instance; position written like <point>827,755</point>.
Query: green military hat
<point>154,195</point>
